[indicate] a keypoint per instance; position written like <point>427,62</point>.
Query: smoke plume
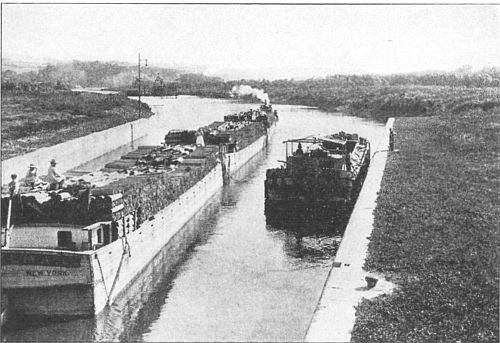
<point>243,90</point>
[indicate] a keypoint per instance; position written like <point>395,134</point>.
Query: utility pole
<point>139,72</point>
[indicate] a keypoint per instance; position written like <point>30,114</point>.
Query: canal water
<point>241,278</point>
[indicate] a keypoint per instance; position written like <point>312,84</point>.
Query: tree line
<point>406,94</point>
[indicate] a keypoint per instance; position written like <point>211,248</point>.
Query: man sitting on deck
<point>56,179</point>
<point>31,178</point>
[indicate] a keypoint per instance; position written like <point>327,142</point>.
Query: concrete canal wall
<point>334,316</point>
<point>74,152</point>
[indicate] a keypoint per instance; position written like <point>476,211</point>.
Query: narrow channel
<point>242,279</point>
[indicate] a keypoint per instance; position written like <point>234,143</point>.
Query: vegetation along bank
<point>32,120</point>
<point>436,233</point>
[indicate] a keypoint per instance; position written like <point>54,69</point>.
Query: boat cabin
<point>318,153</point>
<point>67,236</point>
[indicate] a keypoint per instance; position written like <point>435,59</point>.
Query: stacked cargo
<point>150,158</point>
<point>104,196</point>
<point>248,134</point>
<point>324,180</point>
<point>175,137</point>
<point>147,194</point>
<point>238,130</point>
<point>141,182</point>
<point>106,207</point>
<point>56,207</point>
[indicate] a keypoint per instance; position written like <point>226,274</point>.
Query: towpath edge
<point>345,286</point>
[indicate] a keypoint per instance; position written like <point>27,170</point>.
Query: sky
<point>261,41</point>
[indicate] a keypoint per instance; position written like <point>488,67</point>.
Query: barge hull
<point>114,267</point>
<point>234,161</point>
<point>62,301</point>
<point>146,242</point>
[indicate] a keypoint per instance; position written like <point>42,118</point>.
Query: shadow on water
<point>311,240</point>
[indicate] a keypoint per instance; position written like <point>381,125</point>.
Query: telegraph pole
<point>139,83</point>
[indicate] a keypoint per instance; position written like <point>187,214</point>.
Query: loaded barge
<point>73,251</point>
<point>320,179</point>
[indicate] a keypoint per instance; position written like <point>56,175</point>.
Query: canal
<point>241,279</point>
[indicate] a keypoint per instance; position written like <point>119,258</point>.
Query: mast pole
<point>9,212</point>
<point>139,72</point>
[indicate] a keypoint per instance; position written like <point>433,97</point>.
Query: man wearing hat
<point>31,178</point>
<point>55,178</point>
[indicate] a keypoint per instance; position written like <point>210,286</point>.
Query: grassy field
<point>30,122</point>
<point>366,98</point>
<point>436,233</point>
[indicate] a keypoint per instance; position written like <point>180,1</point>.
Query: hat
<point>32,166</point>
<point>52,161</point>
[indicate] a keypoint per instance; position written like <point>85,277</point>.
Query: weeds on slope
<point>31,121</point>
<point>436,233</point>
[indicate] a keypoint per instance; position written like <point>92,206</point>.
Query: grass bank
<point>381,102</point>
<point>32,121</point>
<point>436,233</point>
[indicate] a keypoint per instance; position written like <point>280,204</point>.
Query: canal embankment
<point>71,127</point>
<point>436,233</point>
<point>435,237</point>
<point>74,152</point>
<point>345,286</point>
<point>35,119</point>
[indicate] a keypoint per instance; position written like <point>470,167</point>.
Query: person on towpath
<point>392,137</point>
<point>56,179</point>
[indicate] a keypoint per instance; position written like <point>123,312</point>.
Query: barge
<point>319,179</point>
<point>72,252</point>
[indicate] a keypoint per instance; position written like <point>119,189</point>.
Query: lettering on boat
<point>47,273</point>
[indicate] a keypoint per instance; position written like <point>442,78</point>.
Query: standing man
<point>13,186</point>
<point>15,194</point>
<point>348,163</point>
<point>392,137</point>
<point>200,142</point>
<point>56,179</point>
<point>299,151</point>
